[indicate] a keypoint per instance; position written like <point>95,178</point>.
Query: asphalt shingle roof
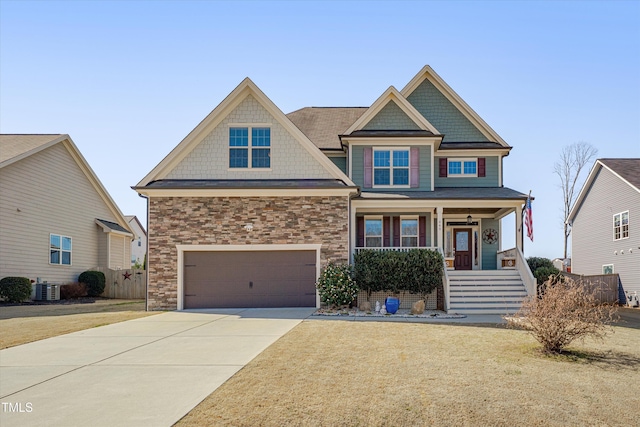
<point>245,183</point>
<point>14,145</point>
<point>491,193</point>
<point>112,225</point>
<point>322,125</point>
<point>628,169</point>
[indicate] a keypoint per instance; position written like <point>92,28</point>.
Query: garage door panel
<point>249,279</point>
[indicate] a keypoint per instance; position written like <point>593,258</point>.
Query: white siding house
<point>56,218</point>
<point>139,245</point>
<point>605,223</point>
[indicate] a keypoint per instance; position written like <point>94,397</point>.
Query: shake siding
<point>340,162</point>
<point>490,180</point>
<point>357,175</point>
<point>489,252</point>
<point>391,117</point>
<point>442,114</point>
<point>592,234</point>
<point>48,193</point>
<point>210,159</point>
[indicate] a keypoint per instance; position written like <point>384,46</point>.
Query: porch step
<point>485,292</point>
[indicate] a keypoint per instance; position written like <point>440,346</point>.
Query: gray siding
<point>357,175</point>
<point>48,193</point>
<point>442,114</point>
<point>340,162</point>
<point>391,117</point>
<point>489,252</point>
<point>592,236</point>
<point>492,178</point>
<point>427,215</point>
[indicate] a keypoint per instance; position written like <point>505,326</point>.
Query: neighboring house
<point>246,210</point>
<point>56,218</point>
<point>605,223</point>
<point>139,245</point>
<point>562,264</point>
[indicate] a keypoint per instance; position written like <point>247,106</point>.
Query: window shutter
<point>482,170</point>
<point>386,231</point>
<point>414,173</point>
<point>422,231</point>
<point>360,232</point>
<point>443,167</point>
<point>396,231</point>
<point>368,166</point>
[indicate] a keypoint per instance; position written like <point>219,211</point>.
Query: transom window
<point>621,225</point>
<point>59,249</point>
<point>373,232</point>
<point>391,167</point>
<point>462,167</point>
<point>409,232</point>
<point>249,147</point>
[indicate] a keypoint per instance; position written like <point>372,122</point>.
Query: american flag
<point>528,218</point>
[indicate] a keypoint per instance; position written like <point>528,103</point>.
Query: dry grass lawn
<point>22,324</point>
<point>337,373</point>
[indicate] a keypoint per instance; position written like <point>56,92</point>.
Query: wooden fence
<point>125,284</point>
<point>605,285</point>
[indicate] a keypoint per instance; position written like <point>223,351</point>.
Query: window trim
<point>621,226</point>
<point>417,235</point>
<point>70,251</point>
<point>462,160</point>
<point>249,147</point>
<point>391,167</point>
<point>608,265</point>
<point>374,218</point>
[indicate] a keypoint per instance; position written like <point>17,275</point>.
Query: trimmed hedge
<point>542,269</point>
<point>336,286</point>
<point>418,271</point>
<point>94,281</point>
<point>15,289</point>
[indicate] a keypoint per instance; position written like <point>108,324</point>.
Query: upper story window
<point>390,167</point>
<point>462,167</point>
<point>409,232</point>
<point>621,225</point>
<point>59,249</point>
<point>373,232</point>
<point>249,147</point>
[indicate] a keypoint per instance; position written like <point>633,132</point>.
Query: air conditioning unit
<point>47,292</point>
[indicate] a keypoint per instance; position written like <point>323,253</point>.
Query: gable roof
<point>427,73</point>
<point>322,125</point>
<point>244,89</point>
<point>628,170</point>
<point>131,218</point>
<point>392,95</point>
<point>110,226</point>
<point>15,147</point>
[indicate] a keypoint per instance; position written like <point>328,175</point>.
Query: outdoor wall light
<point>469,219</point>
<point>248,227</point>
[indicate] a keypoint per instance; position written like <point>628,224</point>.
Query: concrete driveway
<point>144,372</point>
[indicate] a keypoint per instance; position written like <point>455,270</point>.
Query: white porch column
<point>352,231</point>
<point>519,227</point>
<point>440,243</point>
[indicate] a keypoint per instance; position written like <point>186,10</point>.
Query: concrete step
<point>501,311</point>
<point>487,304</point>
<point>497,285</point>
<point>488,293</point>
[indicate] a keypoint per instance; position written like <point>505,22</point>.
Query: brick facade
<point>221,220</point>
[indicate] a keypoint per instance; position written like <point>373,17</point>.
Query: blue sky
<point>128,80</point>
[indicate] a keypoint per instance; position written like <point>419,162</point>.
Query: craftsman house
<point>605,226</point>
<point>252,203</point>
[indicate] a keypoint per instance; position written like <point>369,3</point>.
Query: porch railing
<point>445,281</point>
<point>530,282</point>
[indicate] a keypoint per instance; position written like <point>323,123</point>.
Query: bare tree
<point>572,161</point>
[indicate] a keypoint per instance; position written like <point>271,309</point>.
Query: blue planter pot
<point>392,304</point>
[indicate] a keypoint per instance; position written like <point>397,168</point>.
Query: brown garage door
<point>249,279</point>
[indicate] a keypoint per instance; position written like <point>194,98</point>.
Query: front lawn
<point>334,373</point>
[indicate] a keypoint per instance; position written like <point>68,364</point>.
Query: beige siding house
<point>139,245</point>
<point>56,218</point>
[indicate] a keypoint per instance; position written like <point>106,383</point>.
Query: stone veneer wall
<point>221,220</point>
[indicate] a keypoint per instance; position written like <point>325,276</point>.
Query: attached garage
<point>249,278</point>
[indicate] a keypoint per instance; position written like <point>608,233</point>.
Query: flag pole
<point>522,221</point>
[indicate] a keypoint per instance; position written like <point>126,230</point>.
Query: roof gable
<point>435,99</point>
<point>627,170</point>
<point>212,134</point>
<point>20,147</point>
<point>389,109</point>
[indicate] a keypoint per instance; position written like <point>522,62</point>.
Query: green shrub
<point>336,285</point>
<point>417,271</point>
<point>15,289</point>
<point>537,262</point>
<point>94,281</point>
<point>73,291</point>
<point>542,269</point>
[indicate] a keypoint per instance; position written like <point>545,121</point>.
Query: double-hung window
<point>409,232</point>
<point>373,232</point>
<point>462,167</point>
<point>621,225</point>
<point>59,249</point>
<point>249,148</point>
<point>390,167</point>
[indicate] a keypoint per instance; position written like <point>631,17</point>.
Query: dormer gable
<point>245,125</point>
<point>442,106</point>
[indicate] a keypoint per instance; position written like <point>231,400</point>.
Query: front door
<point>462,247</point>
